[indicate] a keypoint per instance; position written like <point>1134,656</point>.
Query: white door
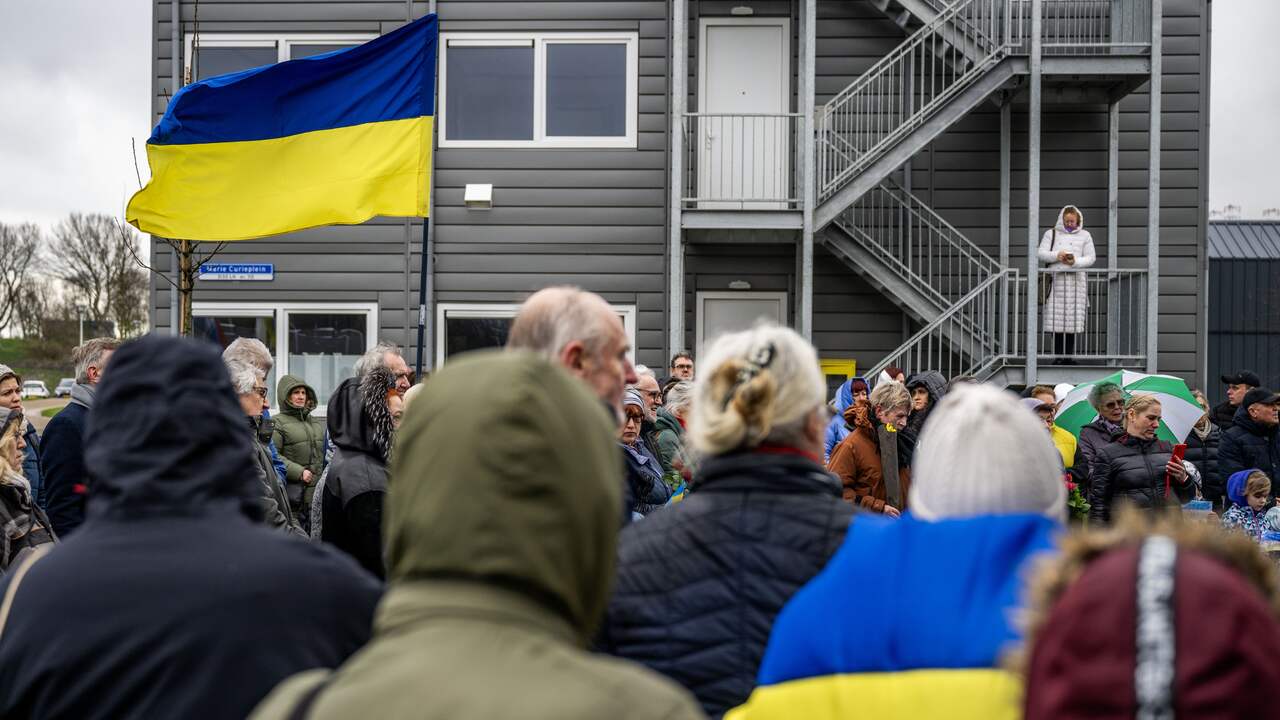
<point>744,88</point>
<point>722,312</point>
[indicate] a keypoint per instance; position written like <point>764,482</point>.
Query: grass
<point>16,353</point>
<point>50,412</point>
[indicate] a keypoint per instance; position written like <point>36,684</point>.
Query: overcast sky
<point>75,78</point>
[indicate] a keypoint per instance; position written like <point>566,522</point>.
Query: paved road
<point>35,408</point>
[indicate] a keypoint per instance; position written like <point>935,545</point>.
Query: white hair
<point>376,358</point>
<point>251,351</point>
<point>756,386</point>
<point>554,317</point>
<point>90,355</point>
<point>1011,467</point>
<point>243,375</point>
<point>645,371</point>
<point>679,396</point>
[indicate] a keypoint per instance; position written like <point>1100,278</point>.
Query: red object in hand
<point>1179,451</point>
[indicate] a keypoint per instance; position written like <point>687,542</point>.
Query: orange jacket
<point>856,461</point>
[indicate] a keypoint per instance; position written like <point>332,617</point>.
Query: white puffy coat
<point>1067,307</point>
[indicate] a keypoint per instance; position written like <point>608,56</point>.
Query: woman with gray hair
<point>1107,398</point>
<point>699,582</point>
<point>669,434</point>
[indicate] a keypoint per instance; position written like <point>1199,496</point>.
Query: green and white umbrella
<point>1179,409</point>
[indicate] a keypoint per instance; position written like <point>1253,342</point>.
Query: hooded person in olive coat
<point>501,532</point>
<point>299,437</point>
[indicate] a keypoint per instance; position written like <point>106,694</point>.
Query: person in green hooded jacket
<point>500,556</point>
<point>299,437</point>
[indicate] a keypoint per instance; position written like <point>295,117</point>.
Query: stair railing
<point>916,243</point>
<point>907,86</point>
<point>972,337</point>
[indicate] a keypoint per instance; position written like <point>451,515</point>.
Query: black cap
<point>1244,377</point>
<point>1259,395</point>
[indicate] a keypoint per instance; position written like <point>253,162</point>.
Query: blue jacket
<point>1239,515</point>
<point>31,464</point>
<point>62,459</point>
<point>837,429</point>
<point>1247,445</point>
<point>909,619</point>
<point>276,462</point>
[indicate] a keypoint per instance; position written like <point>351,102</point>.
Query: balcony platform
<point>741,220</point>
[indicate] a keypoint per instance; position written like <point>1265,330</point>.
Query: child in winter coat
<point>1249,492</point>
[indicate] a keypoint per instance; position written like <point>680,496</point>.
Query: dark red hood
<point>1226,639</point>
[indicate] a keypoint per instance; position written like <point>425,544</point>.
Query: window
<point>320,343</point>
<point>218,54</point>
<point>463,327</point>
<point>538,90</point>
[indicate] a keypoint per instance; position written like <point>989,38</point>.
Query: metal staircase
<point>958,55</point>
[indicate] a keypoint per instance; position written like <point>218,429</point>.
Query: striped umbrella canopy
<point>1179,409</point>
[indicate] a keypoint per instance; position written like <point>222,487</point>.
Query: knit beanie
<point>632,397</point>
<point>982,453</point>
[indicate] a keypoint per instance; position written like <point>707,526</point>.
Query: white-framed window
<point>463,327</point>
<point>318,342</point>
<point>523,90</point>
<point>221,53</point>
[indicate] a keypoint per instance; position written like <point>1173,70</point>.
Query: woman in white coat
<point>1066,246</point>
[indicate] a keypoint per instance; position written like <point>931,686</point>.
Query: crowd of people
<point>551,531</point>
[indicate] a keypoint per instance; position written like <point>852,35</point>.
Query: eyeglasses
<point>261,392</point>
<point>652,394</point>
<point>1113,404</point>
<point>683,366</point>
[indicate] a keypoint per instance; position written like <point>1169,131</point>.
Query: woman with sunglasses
<point>1108,399</point>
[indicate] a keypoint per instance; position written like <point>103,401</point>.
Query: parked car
<point>35,389</point>
<point>64,387</point>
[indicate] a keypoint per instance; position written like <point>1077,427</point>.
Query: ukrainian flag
<point>332,139</point>
<point>908,621</point>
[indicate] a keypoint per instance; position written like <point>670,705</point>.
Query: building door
<point>744,137</point>
<point>730,311</point>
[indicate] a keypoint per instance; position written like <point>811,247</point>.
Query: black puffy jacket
<point>699,582</point>
<point>1249,445</point>
<point>1204,455</point>
<point>1131,470</point>
<point>1093,437</point>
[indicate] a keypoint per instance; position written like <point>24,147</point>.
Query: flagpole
<point>422,294</point>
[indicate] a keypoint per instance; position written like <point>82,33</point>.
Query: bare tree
<point>19,247</point>
<point>94,256</point>
<point>37,299</point>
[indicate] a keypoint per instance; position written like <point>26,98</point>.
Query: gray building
<point>1244,302</point>
<point>862,170</point>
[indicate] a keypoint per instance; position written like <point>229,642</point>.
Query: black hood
<point>358,418</point>
<point>167,434</point>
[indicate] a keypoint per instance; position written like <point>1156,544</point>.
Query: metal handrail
<point>970,335</point>
<point>917,243</point>
<point>741,161</point>
<point>905,87</point>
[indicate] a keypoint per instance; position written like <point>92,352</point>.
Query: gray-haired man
<point>66,482</point>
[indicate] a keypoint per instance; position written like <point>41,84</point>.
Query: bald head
<point>578,330</point>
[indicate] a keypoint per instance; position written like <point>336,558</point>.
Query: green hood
<point>667,421</point>
<point>506,472</point>
<point>287,385</point>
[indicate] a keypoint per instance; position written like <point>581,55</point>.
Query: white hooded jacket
<point>1067,307</point>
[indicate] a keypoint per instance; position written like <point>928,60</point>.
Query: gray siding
<point>593,218</point>
<point>959,174</point>
<point>597,218</point>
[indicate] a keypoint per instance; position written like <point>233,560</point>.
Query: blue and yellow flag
<point>332,139</point>
<point>908,621</point>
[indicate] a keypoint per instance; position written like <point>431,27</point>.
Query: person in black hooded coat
<point>173,600</point>
<point>352,488</point>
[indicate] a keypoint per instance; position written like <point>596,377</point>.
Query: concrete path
<point>36,408</point>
